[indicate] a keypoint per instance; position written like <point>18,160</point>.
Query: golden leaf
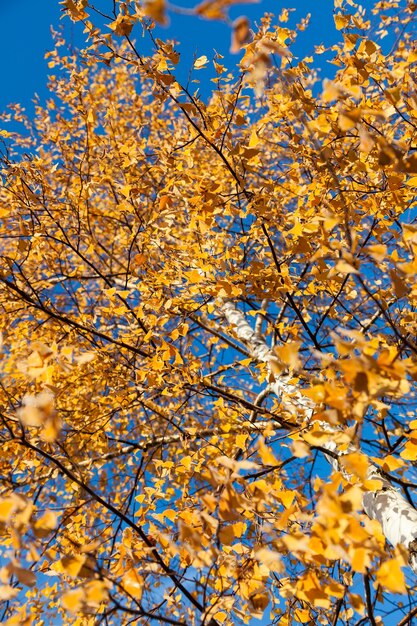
<point>217,9</point>
<point>43,526</point>
<point>96,592</point>
<point>75,9</point>
<point>201,62</point>
<point>410,451</point>
<point>7,507</point>
<point>355,463</point>
<point>360,559</point>
<point>122,25</point>
<point>74,566</point>
<point>241,34</point>
<point>391,576</point>
<point>132,581</point>
<point>156,10</point>
<point>73,600</point>
<point>266,455</point>
<point>341,21</point>
<point>259,601</point>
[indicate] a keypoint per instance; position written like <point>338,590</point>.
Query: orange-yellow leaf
<point>133,583</point>
<point>341,21</point>
<point>410,451</point>
<point>156,10</point>
<point>72,600</point>
<point>391,576</point>
<point>7,506</point>
<point>241,34</point>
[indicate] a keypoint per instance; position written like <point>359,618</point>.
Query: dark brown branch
<point>40,306</point>
<point>107,505</point>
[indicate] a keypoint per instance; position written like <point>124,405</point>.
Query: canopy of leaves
<point>147,472</point>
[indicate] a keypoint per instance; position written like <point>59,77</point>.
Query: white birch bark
<point>397,517</point>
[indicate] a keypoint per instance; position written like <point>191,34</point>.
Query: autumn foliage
<point>208,315</point>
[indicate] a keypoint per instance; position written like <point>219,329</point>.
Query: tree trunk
<point>397,517</point>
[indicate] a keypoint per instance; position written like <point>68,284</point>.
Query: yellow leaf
<point>239,528</point>
<point>7,506</point>
<point>351,499</point>
<point>253,139</point>
<point>96,592</point>
<point>367,47</point>
<point>36,409</point>
<point>345,122</point>
<point>220,617</point>
<point>259,601</point>
<point>70,565</point>
<point>194,276</point>
<point>43,526</point>
<point>346,268</point>
<point>335,589</point>
<point>373,484</point>
<point>266,454</point>
<point>331,90</point>
<point>355,463</point>
<point>186,462</point>
<point>390,463</point>
<point>91,117</point>
<point>309,590</point>
<point>391,576</point>
<point>171,514</point>
<point>287,497</point>
<point>241,440</point>
<point>317,393</point>
<point>366,140</point>
<point>409,233</point>
<point>133,583</point>
<point>316,437</point>
<point>350,40</point>
<point>377,252</point>
<point>300,449</point>
<point>85,357</point>
<point>410,451</point>
<point>269,558</point>
<point>122,25</point>
<point>240,35</point>
<point>288,354</point>
<point>400,286</point>
<point>302,615</point>
<point>360,559</point>
<point>215,9</point>
<point>341,21</point>
<point>156,10</point>
<point>7,592</point>
<point>201,62</point>
<point>409,164</point>
<point>75,9</point>
<point>73,600</point>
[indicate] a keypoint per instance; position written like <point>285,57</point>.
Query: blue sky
<point>25,37</point>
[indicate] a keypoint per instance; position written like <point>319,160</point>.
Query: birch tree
<point>208,314</point>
